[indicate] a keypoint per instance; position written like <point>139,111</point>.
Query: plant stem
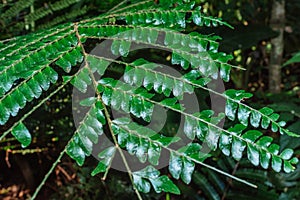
<point>37,190</point>
<point>106,113</point>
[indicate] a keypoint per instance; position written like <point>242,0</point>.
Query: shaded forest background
<point>250,43</point>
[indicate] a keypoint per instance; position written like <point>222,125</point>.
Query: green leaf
<point>274,116</point>
<point>148,172</point>
<point>252,135</point>
<point>237,148</point>
<point>276,164</point>
<point>243,115</point>
<point>266,111</point>
<point>82,80</point>
<point>105,157</point>
<point>117,99</point>
<point>187,171</point>
<point>183,167</point>
<point>99,169</point>
<point>97,64</point>
<point>88,101</point>
<point>120,47</point>
<point>141,184</point>
<point>124,48</point>
<point>190,127</point>
<point>166,141</point>
<point>265,159</point>
<point>21,133</point>
<point>212,138</point>
<point>75,151</point>
<point>159,183</point>
<point>154,153</point>
<point>51,74</point>
<point>164,184</point>
<point>230,109</point>
<point>35,88</point>
<point>115,47</point>
<point>238,95</point>
<point>4,114</point>
<point>225,72</point>
<point>11,105</point>
<point>274,127</point>
<point>41,78</point>
<point>225,143</point>
<point>141,150</point>
<point>64,64</point>
<point>175,165</point>
<point>27,92</point>
<point>20,99</point>
<point>197,19</point>
<point>265,122</point>
<point>253,154</point>
<point>255,118</point>
<point>294,59</point>
<point>288,167</point>
<point>177,88</point>
<point>85,143</point>
<point>264,156</point>
<point>88,131</point>
<point>287,154</point>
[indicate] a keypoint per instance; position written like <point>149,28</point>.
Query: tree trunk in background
<point>277,24</point>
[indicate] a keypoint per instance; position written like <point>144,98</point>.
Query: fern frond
<point>28,68</point>
<point>187,155</point>
<point>174,19</point>
<point>51,7</point>
<point>87,134</point>
<point>16,8</point>
<point>216,187</point>
<point>233,97</point>
<point>25,116</point>
<point>32,85</point>
<point>68,16</point>
<point>203,125</point>
<point>18,18</point>
<point>143,5</point>
<point>203,182</point>
<point>28,89</point>
<point>144,143</point>
<point>207,62</point>
<point>257,118</point>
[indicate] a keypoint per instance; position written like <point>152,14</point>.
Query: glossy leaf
<point>21,133</point>
<point>106,157</point>
<point>160,184</point>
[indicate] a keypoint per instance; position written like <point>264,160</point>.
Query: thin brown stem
<point>106,113</point>
<point>230,181</point>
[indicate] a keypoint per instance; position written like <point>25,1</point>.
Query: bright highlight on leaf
<point>143,178</point>
<point>22,134</point>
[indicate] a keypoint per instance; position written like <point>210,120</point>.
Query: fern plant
<point>24,16</point>
<point>46,61</point>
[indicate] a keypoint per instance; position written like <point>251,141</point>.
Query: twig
<point>62,170</point>
<point>7,158</point>
<point>118,5</point>
<point>230,181</point>
<point>107,116</point>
